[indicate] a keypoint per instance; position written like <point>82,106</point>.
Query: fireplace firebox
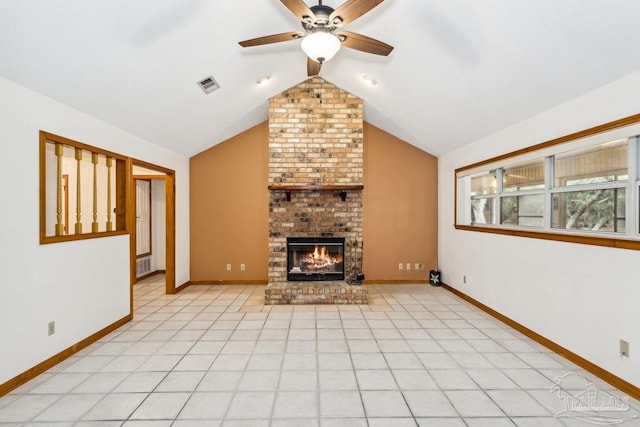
<point>315,258</point>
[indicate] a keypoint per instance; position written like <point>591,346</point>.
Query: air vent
<point>208,84</point>
<point>143,266</point>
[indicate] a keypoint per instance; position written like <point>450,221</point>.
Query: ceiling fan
<point>322,36</point>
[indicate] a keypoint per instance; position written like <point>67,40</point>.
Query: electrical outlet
<point>464,279</point>
<point>52,328</point>
<point>624,348</point>
<point>228,267</point>
<point>242,267</point>
<point>416,266</point>
<point>399,266</point>
<point>421,267</point>
<point>408,266</point>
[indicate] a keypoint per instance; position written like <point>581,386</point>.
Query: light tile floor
<point>216,356</point>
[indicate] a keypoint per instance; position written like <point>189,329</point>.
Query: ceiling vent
<point>208,84</point>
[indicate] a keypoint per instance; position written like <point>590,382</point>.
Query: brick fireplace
<point>315,171</point>
<point>315,259</point>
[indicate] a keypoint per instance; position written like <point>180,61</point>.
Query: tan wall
<point>400,207</point>
<point>229,208</point>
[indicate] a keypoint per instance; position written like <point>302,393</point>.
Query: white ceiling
<point>460,70</point>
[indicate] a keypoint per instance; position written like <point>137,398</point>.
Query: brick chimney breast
<point>315,135</point>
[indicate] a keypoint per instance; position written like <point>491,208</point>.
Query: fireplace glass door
<point>315,258</point>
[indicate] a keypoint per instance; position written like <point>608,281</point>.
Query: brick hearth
<point>315,293</point>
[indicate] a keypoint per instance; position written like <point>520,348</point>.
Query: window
<point>601,173</point>
<point>525,210</point>
<point>82,190</point>
<point>583,185</point>
<point>522,196</point>
<point>590,210</point>
<point>601,163</point>
<point>527,176</point>
<point>483,190</point>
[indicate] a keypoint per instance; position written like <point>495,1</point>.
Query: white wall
<point>584,298</point>
<point>82,285</point>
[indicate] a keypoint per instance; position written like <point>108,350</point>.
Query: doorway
<point>152,221</point>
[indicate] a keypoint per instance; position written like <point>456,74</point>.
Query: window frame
<point>122,167</point>
<point>629,240</point>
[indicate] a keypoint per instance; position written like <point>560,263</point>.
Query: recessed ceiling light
<point>370,80</point>
<point>263,80</point>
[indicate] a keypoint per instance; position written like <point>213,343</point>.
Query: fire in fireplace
<point>315,258</point>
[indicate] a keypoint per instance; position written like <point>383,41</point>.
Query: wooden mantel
<point>284,187</point>
<point>342,188</point>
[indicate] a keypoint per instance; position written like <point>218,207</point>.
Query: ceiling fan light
<point>320,46</point>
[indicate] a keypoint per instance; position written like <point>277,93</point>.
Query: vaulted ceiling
<point>460,70</point>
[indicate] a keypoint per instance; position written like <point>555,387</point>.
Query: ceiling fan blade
<point>351,10</point>
<point>363,43</point>
<point>300,9</point>
<point>313,67</point>
<point>274,38</point>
